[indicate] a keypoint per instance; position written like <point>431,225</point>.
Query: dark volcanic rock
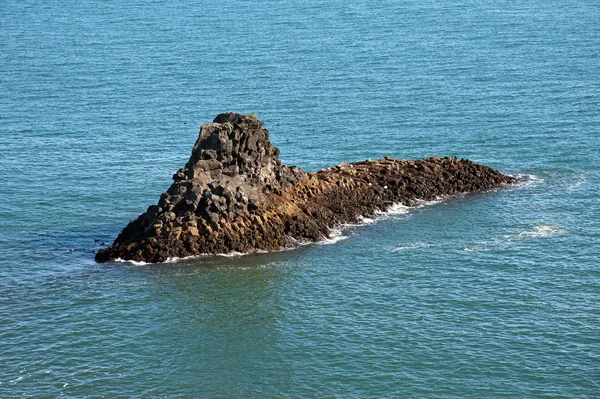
<point>235,195</point>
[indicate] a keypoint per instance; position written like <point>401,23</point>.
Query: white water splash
<point>365,220</point>
<point>335,235</point>
<point>398,209</point>
<point>233,254</point>
<point>527,180</point>
<point>132,262</point>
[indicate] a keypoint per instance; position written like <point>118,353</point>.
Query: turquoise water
<point>483,296</point>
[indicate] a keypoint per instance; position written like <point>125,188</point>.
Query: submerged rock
<point>234,194</point>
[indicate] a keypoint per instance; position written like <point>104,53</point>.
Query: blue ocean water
<point>483,296</point>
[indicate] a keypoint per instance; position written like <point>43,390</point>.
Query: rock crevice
<point>234,194</point>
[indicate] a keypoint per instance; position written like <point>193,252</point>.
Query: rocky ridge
<point>235,195</point>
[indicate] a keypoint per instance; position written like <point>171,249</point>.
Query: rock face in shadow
<point>235,195</point>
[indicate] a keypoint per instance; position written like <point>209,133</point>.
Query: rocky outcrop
<point>234,194</point>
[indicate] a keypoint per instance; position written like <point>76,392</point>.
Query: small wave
<point>133,262</point>
<point>485,246</point>
<point>233,254</point>
<point>365,220</point>
<point>295,243</point>
<point>398,209</point>
<point>335,235</point>
<point>415,245</point>
<point>176,259</point>
<point>527,180</point>
<point>421,203</point>
<point>542,231</point>
<point>582,179</point>
<point>576,185</point>
<point>476,249</point>
<point>394,210</point>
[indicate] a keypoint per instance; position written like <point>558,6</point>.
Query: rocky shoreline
<point>235,195</point>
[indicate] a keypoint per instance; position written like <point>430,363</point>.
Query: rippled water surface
<point>482,296</point>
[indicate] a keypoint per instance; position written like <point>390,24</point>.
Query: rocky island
<point>234,194</point>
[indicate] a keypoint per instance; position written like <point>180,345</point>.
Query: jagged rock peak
<point>236,145</point>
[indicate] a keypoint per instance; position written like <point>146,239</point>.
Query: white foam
<point>295,242</point>
<point>335,235</point>
<point>539,231</point>
<point>168,260</point>
<point>542,231</point>
<point>527,180</point>
<point>476,249</point>
<point>398,209</point>
<point>176,259</point>
<point>422,203</point>
<point>365,220</point>
<point>394,210</point>
<point>233,254</point>
<point>133,262</point>
<point>583,178</point>
<point>576,185</point>
<point>414,245</point>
